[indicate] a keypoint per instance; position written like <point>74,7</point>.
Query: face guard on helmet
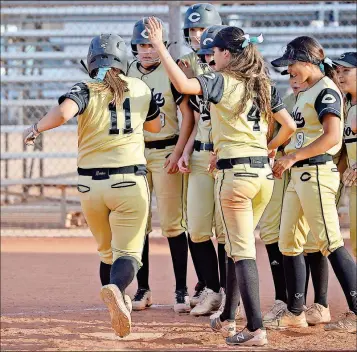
<point>107,51</point>
<point>140,36</point>
<point>199,16</point>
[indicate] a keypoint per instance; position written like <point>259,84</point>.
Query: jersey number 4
<point>254,116</point>
<point>114,118</point>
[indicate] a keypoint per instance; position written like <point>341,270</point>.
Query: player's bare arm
<point>153,126</point>
<point>184,161</point>
<point>178,78</point>
<point>57,116</point>
<point>288,127</point>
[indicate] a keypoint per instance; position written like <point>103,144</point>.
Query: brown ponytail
<point>113,85</point>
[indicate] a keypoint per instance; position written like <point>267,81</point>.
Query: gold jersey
<point>235,137</point>
<point>166,97</point>
<point>349,136</point>
<point>308,112</point>
<point>109,135</point>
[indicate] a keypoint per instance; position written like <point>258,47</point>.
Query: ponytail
<point>112,85</point>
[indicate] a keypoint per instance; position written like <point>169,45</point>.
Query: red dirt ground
<point>50,301</point>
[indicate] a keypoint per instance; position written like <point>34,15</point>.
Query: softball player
<point>201,211</point>
<point>197,18</point>
<point>244,182</point>
<point>347,70</point>
<point>314,181</point>
<point>112,111</point>
<point>162,151</point>
<point>319,311</point>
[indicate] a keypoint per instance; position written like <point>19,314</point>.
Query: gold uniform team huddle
<point>240,156</point>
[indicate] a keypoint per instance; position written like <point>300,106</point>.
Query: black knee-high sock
<point>104,273</point>
<point>123,272</point>
<point>179,251</point>
<point>232,292</point>
<point>319,275</point>
<point>248,283</point>
<point>207,257</point>
<point>307,266</point>
<point>295,276</point>
<point>277,270</point>
<point>195,261</point>
<point>222,265</point>
<point>345,269</point>
<point>143,273</point>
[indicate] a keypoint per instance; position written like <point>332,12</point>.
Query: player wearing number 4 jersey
<point>244,181</point>
<point>112,111</point>
<point>162,151</point>
<point>314,182</point>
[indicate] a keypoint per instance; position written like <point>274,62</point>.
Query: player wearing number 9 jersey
<point>314,182</point>
<point>112,111</point>
<point>162,152</point>
<point>244,107</point>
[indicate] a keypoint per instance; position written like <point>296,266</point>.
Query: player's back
<point>109,135</point>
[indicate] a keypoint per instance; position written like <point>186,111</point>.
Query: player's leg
<point>169,190</point>
<point>353,225</point>
<point>200,285</point>
<point>291,243</point>
<point>200,211</point>
<point>269,233</point>
<point>319,311</point>
<point>128,200</point>
<point>96,214</point>
<point>236,190</point>
<point>324,226</point>
<point>143,297</point>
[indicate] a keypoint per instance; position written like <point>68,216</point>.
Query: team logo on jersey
<point>159,98</point>
<point>298,118</point>
<point>144,34</point>
<point>328,99</point>
<point>207,40</point>
<point>194,17</point>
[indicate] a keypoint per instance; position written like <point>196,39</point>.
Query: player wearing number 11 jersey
<point>112,112</point>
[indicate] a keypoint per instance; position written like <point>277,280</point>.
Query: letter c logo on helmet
<point>144,34</point>
<point>194,17</point>
<point>207,40</point>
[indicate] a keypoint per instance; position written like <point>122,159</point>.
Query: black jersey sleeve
<point>154,110</point>
<point>328,101</point>
<point>79,93</point>
<point>212,86</point>
<point>276,101</point>
<point>194,103</point>
<point>178,97</point>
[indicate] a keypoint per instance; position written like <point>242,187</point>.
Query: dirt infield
<point>50,301</point>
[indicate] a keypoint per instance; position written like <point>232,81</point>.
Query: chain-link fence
<point>42,44</point>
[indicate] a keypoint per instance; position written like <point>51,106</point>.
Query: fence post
<point>175,32</point>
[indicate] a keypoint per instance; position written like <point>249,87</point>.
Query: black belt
<point>162,144</point>
<point>254,161</point>
<point>198,146</point>
<point>104,173</point>
<point>316,160</point>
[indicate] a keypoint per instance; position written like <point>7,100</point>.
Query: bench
<point>62,184</point>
